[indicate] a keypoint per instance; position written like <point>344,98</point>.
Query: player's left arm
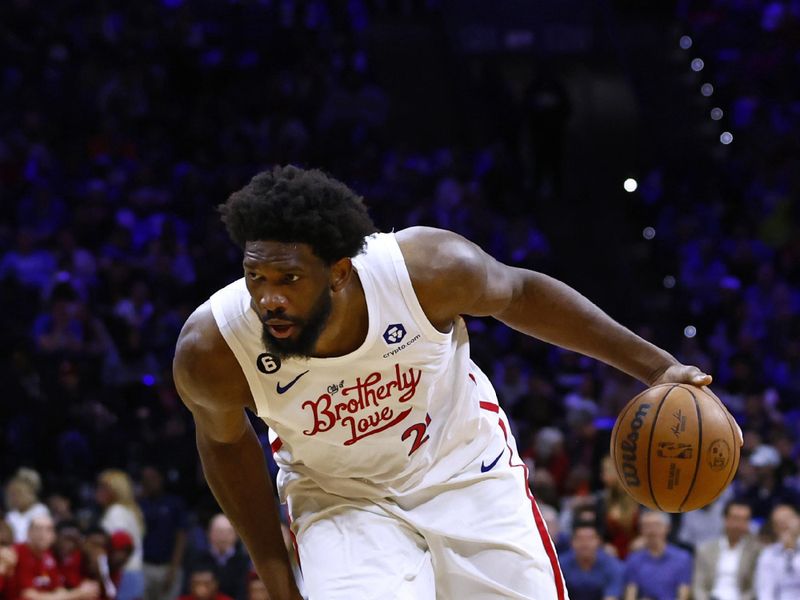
<point>453,276</point>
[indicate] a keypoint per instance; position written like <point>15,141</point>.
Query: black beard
<point>310,330</point>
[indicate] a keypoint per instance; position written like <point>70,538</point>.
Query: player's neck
<point>348,323</point>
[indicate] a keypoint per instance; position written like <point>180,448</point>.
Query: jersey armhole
<point>410,296</point>
<point>242,357</point>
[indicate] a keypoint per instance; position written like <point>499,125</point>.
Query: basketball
<point>675,448</point>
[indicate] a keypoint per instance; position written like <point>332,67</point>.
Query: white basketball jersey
<point>402,411</point>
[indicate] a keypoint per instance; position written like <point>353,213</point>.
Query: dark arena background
<point>646,153</point>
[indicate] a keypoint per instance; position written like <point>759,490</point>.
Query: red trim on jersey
<point>537,517</point>
<point>490,407</point>
<point>276,444</point>
<point>294,540</point>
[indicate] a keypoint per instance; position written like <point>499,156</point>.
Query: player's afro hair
<point>290,204</point>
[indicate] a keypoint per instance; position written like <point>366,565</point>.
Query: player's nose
<point>272,301</point>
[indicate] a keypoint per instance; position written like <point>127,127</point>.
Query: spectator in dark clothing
<point>164,539</point>
<point>203,584</point>
<point>225,553</point>
<point>549,108</point>
<point>768,491</point>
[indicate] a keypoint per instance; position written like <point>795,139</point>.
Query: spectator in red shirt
<point>203,584</point>
<point>37,576</point>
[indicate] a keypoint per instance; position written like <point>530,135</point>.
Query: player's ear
<point>341,271</point>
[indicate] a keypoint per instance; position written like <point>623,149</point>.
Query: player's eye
<point>253,276</point>
<point>291,277</point>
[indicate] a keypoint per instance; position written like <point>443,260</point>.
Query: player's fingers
<point>697,377</point>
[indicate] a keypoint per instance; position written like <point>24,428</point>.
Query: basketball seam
<point>734,463</point>
<point>735,467</point>
<point>650,448</point>
<point>616,434</point>
<point>699,449</point>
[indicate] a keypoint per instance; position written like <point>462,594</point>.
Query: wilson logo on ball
<point>630,445</point>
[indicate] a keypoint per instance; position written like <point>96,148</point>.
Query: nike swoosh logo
<point>282,389</point>
<point>490,466</point>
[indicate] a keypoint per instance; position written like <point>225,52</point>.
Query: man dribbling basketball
<point>397,464</point>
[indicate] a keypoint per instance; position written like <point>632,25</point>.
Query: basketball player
<point>400,472</point>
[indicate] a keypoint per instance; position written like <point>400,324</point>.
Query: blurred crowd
<point>124,124</point>
<point>128,548</point>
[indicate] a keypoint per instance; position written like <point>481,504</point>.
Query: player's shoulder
<point>434,255</point>
<point>200,335</point>
<point>431,242</point>
<point>203,360</point>
<point>446,270</point>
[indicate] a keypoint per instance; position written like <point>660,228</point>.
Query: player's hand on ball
<point>682,374</point>
<point>693,376</point>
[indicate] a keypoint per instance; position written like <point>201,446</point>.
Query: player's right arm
<point>213,387</point>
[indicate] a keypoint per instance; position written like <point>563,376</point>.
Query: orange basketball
<point>675,447</point>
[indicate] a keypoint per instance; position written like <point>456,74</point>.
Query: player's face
<point>291,292</point>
